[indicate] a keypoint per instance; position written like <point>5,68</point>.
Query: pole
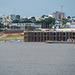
<point>24,27</point>
<point>61,13</point>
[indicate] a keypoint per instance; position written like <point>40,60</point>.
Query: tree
<point>44,16</point>
<point>26,19</point>
<point>29,28</point>
<point>7,26</point>
<point>17,16</point>
<point>1,25</point>
<point>33,19</point>
<point>16,21</point>
<point>49,22</point>
<point>64,22</point>
<point>1,18</point>
<point>68,17</point>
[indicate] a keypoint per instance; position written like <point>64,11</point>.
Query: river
<point>37,58</point>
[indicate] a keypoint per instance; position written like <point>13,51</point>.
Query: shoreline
<point>9,37</point>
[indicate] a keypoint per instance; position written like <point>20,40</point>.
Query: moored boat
<point>71,42</point>
<point>15,40</point>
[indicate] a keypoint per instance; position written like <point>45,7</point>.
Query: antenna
<point>61,12</point>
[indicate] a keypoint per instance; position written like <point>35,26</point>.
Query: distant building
<point>50,16</point>
<point>23,25</point>
<point>3,17</point>
<point>68,23</point>
<point>73,26</point>
<point>57,23</point>
<point>57,15</point>
<point>73,23</point>
<point>11,16</point>
<point>38,18</point>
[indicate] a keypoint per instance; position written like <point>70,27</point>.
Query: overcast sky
<point>27,8</point>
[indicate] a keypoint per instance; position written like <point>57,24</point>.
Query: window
<point>35,33</point>
<point>44,33</point>
<point>63,33</point>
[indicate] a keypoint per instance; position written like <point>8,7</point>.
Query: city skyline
<point>27,8</point>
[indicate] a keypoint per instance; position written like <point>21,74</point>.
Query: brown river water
<point>37,58</point>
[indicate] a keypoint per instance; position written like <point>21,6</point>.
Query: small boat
<point>4,40</point>
<point>15,40</point>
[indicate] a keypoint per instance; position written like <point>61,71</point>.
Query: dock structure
<point>41,36</point>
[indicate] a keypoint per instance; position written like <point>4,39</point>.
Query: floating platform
<point>62,42</point>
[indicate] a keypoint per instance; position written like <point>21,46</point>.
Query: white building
<point>66,29</point>
<point>51,16</point>
<point>22,26</point>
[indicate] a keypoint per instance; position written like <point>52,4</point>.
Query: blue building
<point>12,16</point>
<point>57,23</point>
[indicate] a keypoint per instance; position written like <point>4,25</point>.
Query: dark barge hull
<point>61,42</point>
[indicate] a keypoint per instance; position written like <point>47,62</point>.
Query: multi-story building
<point>57,15</point>
<point>41,36</point>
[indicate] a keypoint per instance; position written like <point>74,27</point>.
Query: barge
<point>62,42</point>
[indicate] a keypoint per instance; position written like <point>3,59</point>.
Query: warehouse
<point>39,36</point>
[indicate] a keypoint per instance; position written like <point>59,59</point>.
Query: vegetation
<point>7,26</point>
<point>33,19</point>
<point>1,25</point>
<point>29,28</point>
<point>44,16</point>
<point>68,17</point>
<point>26,19</point>
<point>64,23</point>
<point>18,17</point>
<point>16,21</point>
<point>48,22</point>
<point>12,37</point>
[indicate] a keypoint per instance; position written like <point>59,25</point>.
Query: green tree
<point>29,28</point>
<point>1,25</point>
<point>68,17</point>
<point>26,19</point>
<point>33,19</point>
<point>49,22</point>
<point>17,16</point>
<point>7,26</point>
<point>44,16</point>
<point>16,21</point>
<point>64,22</point>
